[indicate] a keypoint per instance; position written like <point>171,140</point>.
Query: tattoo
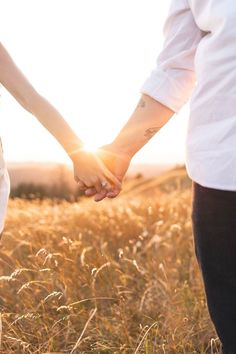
<point>150,132</point>
<point>141,103</point>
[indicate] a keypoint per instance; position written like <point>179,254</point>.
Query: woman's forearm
<point>52,120</point>
<point>17,84</point>
<point>147,119</point>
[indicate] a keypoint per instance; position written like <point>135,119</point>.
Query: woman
<point>88,169</point>
<point>200,43</point>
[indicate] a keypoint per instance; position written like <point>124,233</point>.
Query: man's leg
<point>214,231</point>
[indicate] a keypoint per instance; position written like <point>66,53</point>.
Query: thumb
<point>115,191</point>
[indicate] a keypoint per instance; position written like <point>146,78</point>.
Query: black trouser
<point>214,231</point>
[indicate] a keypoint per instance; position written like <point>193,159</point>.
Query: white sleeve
<point>173,79</point>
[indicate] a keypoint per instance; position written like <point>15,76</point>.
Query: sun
<point>90,147</point>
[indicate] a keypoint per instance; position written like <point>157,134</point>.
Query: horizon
<point>49,173</point>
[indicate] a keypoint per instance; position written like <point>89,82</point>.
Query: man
<point>200,43</point>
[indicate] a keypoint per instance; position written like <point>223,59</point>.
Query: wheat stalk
<point>84,329</point>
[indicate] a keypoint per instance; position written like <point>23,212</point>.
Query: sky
<point>89,59</point>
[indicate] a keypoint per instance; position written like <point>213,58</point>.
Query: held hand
<point>117,162</point>
<point>90,172</point>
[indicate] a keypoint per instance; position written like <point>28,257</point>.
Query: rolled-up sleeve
<point>173,79</point>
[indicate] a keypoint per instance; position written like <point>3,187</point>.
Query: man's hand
<point>91,172</point>
<point>117,162</point>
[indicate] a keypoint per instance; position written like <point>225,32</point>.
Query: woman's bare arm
<point>17,84</point>
<point>86,166</point>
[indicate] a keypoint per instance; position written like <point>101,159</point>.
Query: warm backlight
<point>90,147</point>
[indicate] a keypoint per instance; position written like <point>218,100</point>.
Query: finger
<point>108,175</point>
<point>100,196</point>
<point>88,183</point>
<point>113,193</point>
<point>113,179</point>
<point>106,185</point>
<point>90,192</point>
<point>97,185</point>
<point>94,183</point>
<point>76,178</point>
<point>110,190</point>
<point>81,186</point>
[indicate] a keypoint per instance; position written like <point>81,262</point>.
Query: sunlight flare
<point>90,147</point>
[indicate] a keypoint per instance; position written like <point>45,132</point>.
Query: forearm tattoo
<point>150,132</point>
<point>141,104</point>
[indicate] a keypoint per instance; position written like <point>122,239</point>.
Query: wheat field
<point>118,276</point>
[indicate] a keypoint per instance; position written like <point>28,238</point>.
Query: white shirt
<point>198,59</point>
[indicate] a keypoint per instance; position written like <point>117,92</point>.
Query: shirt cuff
<point>165,89</point>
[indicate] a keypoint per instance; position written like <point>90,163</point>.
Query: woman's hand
<point>91,172</point>
<point>117,161</point>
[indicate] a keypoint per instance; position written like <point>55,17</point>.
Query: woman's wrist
<point>76,154</point>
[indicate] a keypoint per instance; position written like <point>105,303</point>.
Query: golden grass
<point>115,277</point>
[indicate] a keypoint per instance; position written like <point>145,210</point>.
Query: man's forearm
<point>147,119</point>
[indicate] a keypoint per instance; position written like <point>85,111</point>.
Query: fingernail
<point>97,199</point>
<point>110,195</point>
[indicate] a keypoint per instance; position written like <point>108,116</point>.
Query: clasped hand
<point>100,174</point>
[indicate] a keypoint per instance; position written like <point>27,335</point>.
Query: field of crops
<point>118,276</point>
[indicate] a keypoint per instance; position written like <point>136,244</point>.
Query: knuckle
<point>95,180</point>
<point>89,184</point>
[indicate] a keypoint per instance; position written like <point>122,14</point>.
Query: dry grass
<point>116,277</point>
